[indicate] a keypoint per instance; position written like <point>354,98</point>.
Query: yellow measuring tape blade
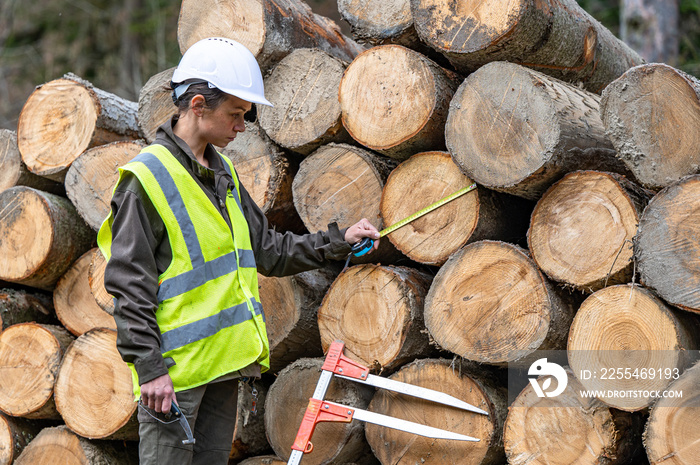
<point>426,210</point>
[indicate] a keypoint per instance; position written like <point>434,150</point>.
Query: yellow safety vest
<point>209,310</point>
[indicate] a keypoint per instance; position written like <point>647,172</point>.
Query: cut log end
<point>581,231</point>
<point>96,280</point>
<point>426,178</point>
<point>489,303</point>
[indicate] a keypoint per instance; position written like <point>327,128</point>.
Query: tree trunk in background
<point>18,306</point>
<point>481,214</point>
<point>75,304</point>
<point>41,235</point>
<point>291,305</point>
<point>378,312</point>
<point>588,432</point>
<point>651,28</point>
<point>518,131</point>
<point>582,229</point>
<point>286,403</point>
<point>303,87</point>
<point>15,434</point>
<point>93,373</point>
<point>626,326</point>
<point>270,29</point>
<point>65,117</point>
<point>155,103</point>
<point>489,303</point>
<point>267,174</point>
<point>554,37</point>
<point>377,114</point>
<point>651,115</point>
<point>392,446</point>
<point>667,245</point>
<point>60,445</point>
<point>15,173</point>
<point>91,178</point>
<point>30,356</point>
<point>342,183</point>
<point>672,436</point>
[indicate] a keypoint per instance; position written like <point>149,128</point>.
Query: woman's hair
<point>213,97</point>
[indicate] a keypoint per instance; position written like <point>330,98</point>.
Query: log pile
<point>581,237</point>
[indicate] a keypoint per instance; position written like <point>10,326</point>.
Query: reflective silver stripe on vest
<point>177,205</point>
<point>209,326</point>
<point>213,269</point>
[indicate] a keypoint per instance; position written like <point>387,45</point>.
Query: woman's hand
<point>361,229</point>
<point>158,394</point>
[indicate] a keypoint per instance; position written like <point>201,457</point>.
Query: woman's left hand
<point>361,229</point>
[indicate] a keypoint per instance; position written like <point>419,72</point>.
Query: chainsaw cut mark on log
<point>243,21</point>
<point>626,326</point>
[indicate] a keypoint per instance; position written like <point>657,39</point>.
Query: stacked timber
<point>567,204</point>
<point>652,114</point>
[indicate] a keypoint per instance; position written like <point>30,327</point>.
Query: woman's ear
<point>197,104</point>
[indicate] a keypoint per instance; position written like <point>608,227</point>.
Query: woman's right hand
<point>158,394</point>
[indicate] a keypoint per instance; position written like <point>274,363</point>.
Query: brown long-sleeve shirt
<point>141,251</point>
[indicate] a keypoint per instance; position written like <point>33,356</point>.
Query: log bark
<point>667,244</point>
<point>518,131</point>
<point>286,403</point>
<point>375,110</point>
<point>91,178</point>
<point>93,374</point>
<point>588,432</point>
<point>267,174</point>
<point>155,104</point>
<point>672,436</point>
<point>61,445</point>
<point>41,235</point>
<point>270,29</point>
<point>378,312</point>
<point>342,183</point>
<point>30,355</point>
<point>20,306</point>
<point>291,307</point>
<point>15,434</point>
<point>303,87</point>
<point>397,447</point>
<point>74,302</point>
<point>651,28</point>
<point>627,327</point>
<point>490,303</point>
<point>64,117</point>
<point>249,434</point>
<point>481,214</point>
<point>96,280</point>
<point>554,37</point>
<point>582,229</point>
<point>15,173</point>
<point>380,22</point>
<point>652,114</point>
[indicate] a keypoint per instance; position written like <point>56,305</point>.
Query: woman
<point>184,242</point>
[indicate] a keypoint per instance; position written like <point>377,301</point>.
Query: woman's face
<point>220,125</point>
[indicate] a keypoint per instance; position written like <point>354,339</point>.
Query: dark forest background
<point>119,45</point>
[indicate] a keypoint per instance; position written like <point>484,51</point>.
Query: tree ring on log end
<point>43,125</point>
<point>240,20</point>
<point>502,126</point>
<point>387,96</point>
<point>489,303</point>
<point>26,233</point>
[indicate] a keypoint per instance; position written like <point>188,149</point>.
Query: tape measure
<point>365,245</point>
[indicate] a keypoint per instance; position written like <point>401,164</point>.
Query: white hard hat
<point>225,64</point>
